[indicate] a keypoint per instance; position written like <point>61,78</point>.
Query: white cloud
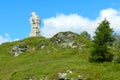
<point>77,23</point>
<point>16,39</point>
<point>5,38</point>
<point>113,16</point>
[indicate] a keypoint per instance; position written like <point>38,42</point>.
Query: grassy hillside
<point>38,63</point>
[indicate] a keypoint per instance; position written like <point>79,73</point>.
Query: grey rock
<point>66,39</point>
<point>19,48</point>
<point>62,75</point>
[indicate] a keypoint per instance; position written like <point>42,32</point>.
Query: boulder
<point>66,39</point>
<point>62,76</point>
<point>19,48</point>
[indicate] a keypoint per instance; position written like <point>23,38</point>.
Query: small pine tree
<point>103,39</point>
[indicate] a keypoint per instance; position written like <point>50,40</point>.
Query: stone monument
<point>35,25</point>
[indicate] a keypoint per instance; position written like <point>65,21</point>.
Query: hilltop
<point>40,58</point>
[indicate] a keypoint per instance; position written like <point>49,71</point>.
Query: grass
<point>51,60</point>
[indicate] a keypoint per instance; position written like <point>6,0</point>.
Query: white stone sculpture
<point>35,25</point>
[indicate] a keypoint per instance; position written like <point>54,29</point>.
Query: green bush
<point>116,58</point>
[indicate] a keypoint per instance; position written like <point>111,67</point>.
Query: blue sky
<point>15,14</point>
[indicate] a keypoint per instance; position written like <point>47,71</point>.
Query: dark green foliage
<point>117,37</point>
<point>85,35</point>
<point>102,41</point>
<point>116,49</point>
<point>104,34</point>
<point>100,54</point>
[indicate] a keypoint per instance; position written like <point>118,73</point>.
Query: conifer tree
<point>102,40</point>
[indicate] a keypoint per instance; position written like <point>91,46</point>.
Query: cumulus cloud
<point>5,38</point>
<point>71,22</point>
<point>78,23</point>
<point>113,16</point>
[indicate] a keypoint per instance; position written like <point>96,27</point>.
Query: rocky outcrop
<point>64,76</point>
<point>66,39</point>
<point>19,48</point>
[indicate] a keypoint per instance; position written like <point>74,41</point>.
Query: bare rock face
<point>67,39</point>
<point>19,48</point>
